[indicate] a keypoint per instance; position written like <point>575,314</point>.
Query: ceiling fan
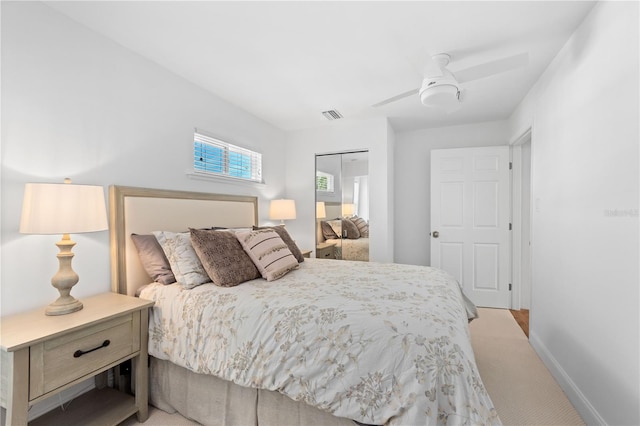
<point>441,88</point>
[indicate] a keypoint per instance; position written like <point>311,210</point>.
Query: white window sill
<point>191,174</point>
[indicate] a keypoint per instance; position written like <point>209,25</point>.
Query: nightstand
<point>306,253</point>
<point>325,251</point>
<point>43,355</point>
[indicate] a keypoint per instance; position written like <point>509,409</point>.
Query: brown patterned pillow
<point>282,233</point>
<point>223,257</point>
<point>350,229</point>
<point>268,252</point>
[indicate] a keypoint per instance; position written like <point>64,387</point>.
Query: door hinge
<point>509,227</point>
<point>509,286</point>
<point>510,165</point>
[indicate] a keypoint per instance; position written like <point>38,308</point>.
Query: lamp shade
<point>348,209</point>
<point>282,209</point>
<point>321,211</point>
<point>50,208</point>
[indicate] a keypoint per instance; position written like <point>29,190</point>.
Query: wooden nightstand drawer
<point>60,361</point>
<point>325,251</point>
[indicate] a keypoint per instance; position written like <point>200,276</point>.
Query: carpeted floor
<point>521,388</point>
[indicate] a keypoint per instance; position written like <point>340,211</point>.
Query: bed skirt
<point>209,400</point>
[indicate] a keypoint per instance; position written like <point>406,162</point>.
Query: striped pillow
<point>362,225</point>
<point>269,252</point>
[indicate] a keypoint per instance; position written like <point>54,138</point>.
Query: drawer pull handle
<point>79,353</point>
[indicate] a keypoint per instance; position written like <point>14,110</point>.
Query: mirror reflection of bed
<point>347,236</point>
<point>342,206</point>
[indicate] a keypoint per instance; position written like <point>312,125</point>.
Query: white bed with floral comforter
<point>376,343</point>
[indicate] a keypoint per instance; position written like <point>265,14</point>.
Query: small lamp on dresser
<point>65,209</point>
<point>321,211</point>
<point>282,210</point>
<point>348,209</point>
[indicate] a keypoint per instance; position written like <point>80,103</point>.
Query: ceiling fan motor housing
<point>442,93</point>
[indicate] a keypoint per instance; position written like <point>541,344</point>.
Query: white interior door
<point>470,221</point>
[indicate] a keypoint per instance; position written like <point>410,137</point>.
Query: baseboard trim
<point>582,405</point>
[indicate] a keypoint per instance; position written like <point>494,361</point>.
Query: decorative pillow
<point>350,229</point>
<point>183,259</point>
<point>336,226</point>
<point>327,231</point>
<point>282,233</point>
<point>269,252</point>
<point>362,225</point>
<point>223,257</point>
<point>153,258</point>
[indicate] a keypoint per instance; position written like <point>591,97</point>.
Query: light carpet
<point>521,388</point>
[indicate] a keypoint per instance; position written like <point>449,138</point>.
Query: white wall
<point>413,181</point>
<point>75,104</point>
<point>585,173</point>
<point>345,135</point>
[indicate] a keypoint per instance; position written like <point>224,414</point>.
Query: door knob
<point>435,234</point>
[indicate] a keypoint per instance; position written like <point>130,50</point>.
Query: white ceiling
<point>286,62</point>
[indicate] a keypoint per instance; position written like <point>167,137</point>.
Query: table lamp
<point>65,209</point>
<point>348,209</point>
<point>282,210</point>
<point>321,211</point>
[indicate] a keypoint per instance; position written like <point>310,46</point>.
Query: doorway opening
<point>522,219</point>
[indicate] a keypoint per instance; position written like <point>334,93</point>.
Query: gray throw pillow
<point>153,259</point>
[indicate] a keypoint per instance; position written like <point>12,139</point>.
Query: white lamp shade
<point>321,211</point>
<point>348,209</point>
<point>282,209</point>
<point>50,208</point>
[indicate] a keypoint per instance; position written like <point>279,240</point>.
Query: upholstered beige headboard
<point>143,210</point>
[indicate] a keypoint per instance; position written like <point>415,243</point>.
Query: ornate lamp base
<point>64,280</point>
<point>63,306</point>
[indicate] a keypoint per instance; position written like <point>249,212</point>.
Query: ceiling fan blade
<point>396,98</point>
<point>492,68</point>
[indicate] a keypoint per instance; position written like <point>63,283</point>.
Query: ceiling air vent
<point>332,114</point>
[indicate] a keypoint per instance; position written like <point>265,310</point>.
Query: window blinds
<point>214,156</point>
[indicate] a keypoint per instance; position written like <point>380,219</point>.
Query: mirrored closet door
<point>342,206</point>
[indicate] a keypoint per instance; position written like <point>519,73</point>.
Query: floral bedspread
<point>376,343</point>
<point>347,249</point>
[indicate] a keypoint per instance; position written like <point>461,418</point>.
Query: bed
<point>328,343</point>
<point>356,249</point>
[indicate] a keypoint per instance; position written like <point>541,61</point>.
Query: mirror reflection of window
<point>324,182</point>
<point>342,192</point>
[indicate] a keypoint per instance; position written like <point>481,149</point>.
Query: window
<point>324,181</point>
<point>215,157</point>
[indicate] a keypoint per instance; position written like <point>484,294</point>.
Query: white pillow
<point>183,259</point>
<point>268,251</point>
